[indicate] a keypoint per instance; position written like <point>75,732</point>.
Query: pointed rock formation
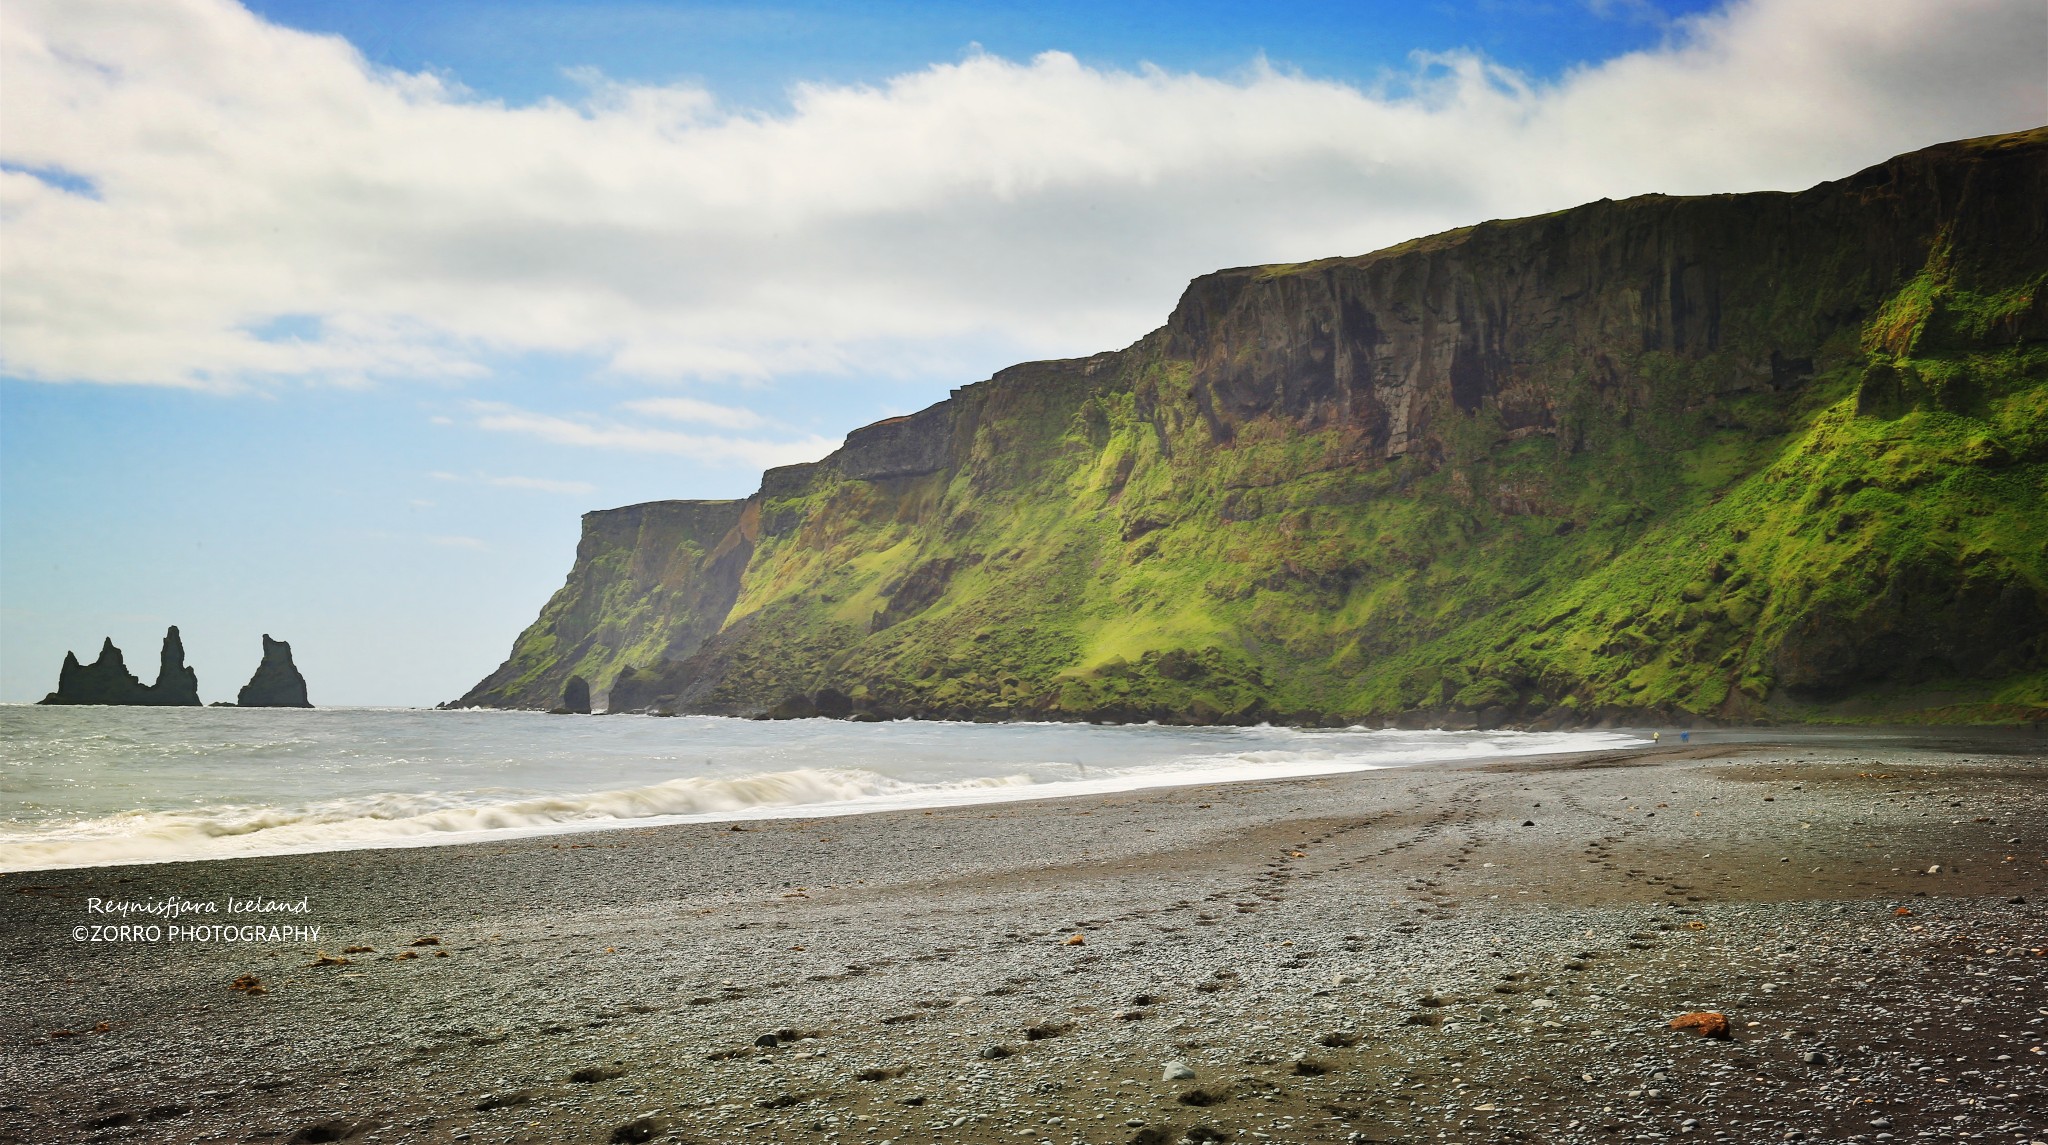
<point>277,683</point>
<point>107,680</point>
<point>176,683</point>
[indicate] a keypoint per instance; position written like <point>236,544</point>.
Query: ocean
<point>92,786</point>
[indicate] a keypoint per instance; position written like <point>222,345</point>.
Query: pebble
<point>1177,1071</point>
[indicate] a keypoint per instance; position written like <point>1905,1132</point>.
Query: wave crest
<point>391,818</point>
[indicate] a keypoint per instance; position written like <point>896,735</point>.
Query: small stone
<point>992,1053</point>
<point>1935,869</point>
<point>1705,1023</point>
<point>1528,822</point>
<point>767,1041</point>
<point>1177,1071</point>
<point>1814,1057</point>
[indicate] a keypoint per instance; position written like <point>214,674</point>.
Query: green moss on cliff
<point>1746,457</point>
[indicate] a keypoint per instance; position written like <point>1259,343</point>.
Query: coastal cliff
<point>651,582</point>
<point>1734,457</point>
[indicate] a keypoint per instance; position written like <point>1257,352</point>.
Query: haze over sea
<point>91,786</point>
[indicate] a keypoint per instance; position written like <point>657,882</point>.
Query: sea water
<point>90,786</point>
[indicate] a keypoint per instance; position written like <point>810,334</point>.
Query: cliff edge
<point>1733,457</point>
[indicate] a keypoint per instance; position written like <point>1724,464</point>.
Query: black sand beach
<point>1487,952</point>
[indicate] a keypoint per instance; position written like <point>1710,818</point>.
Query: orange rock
<point>1902,912</point>
<point>248,984</point>
<point>1077,940</point>
<point>1705,1023</point>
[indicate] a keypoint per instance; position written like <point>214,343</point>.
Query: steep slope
<point>1740,457</point>
<point>650,583</point>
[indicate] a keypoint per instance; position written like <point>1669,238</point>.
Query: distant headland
<point>107,680</point>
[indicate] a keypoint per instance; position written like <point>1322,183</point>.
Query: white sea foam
<point>109,786</point>
<point>397,819</point>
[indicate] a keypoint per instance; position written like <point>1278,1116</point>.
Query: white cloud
<point>699,412</point>
<point>596,433</point>
<point>264,203</point>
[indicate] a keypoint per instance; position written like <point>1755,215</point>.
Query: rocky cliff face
<point>276,682</point>
<point>1734,457</point>
<point>650,583</point>
<point>107,679</point>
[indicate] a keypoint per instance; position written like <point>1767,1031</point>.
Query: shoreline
<point>549,813</point>
<point>1383,957</point>
<point>122,851</point>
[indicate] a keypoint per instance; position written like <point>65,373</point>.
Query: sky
<point>328,320</point>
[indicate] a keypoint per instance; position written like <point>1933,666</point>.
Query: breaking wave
<point>107,786</point>
<point>394,819</point>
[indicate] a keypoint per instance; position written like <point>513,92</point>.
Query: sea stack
<point>277,683</point>
<point>107,680</point>
<point>176,683</point>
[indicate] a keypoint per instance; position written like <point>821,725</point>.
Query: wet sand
<point>1483,952</point>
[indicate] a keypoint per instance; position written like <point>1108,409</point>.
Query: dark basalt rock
<point>176,683</point>
<point>107,680</point>
<point>277,683</point>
